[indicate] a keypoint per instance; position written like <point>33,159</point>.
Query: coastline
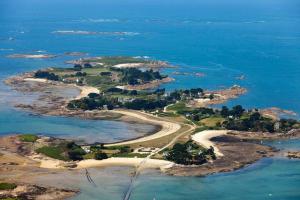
<point>233,150</point>
<point>204,139</point>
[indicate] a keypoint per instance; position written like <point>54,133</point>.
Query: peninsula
<point>192,138</point>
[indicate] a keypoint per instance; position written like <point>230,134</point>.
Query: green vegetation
<point>133,76</point>
<point>115,60</point>
<point>130,155</point>
<point>99,72</point>
<point>189,153</point>
<point>53,152</point>
<point>28,138</point>
<point>100,155</point>
<point>239,119</point>
<point>212,121</point>
<point>63,151</point>
<point>101,152</point>
<point>46,75</point>
<point>7,186</point>
<point>94,101</point>
<point>178,107</point>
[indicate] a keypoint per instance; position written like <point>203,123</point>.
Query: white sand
<point>47,162</point>
<point>41,80</point>
<point>203,138</point>
<point>86,90</point>
<point>167,127</point>
<point>133,162</point>
<point>129,65</point>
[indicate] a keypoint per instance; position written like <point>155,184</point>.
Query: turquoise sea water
<point>222,39</point>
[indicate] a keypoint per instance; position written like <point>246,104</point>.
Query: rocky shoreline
<point>237,154</point>
<point>29,191</point>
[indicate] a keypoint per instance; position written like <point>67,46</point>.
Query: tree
<point>255,116</point>
<point>100,155</point>
<point>133,92</point>
<point>237,111</point>
<point>77,67</point>
<point>87,65</point>
<point>46,75</point>
<point>179,154</point>
<point>225,111</point>
<point>93,95</point>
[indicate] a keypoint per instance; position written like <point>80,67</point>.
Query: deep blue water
<point>222,39</point>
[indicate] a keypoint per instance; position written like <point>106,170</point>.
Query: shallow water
<point>224,40</point>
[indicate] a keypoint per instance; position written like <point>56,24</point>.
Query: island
<point>192,137</point>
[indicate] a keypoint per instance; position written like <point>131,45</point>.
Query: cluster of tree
<point>75,152</point>
<point>199,113</point>
<point>77,74</point>
<point>256,122</point>
<point>236,111</point>
<point>98,152</point>
<point>47,75</point>
<point>97,101</point>
<point>288,124</point>
<point>253,123</point>
<point>189,153</point>
<point>143,104</point>
<point>79,67</point>
<point>105,73</point>
<point>93,101</point>
<point>181,94</point>
<point>121,91</point>
<point>134,76</point>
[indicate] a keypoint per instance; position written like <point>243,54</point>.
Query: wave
<point>80,32</point>
<point>144,57</point>
<point>207,22</point>
<point>101,20</point>
<point>3,49</point>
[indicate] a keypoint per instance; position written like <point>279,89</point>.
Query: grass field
<point>7,186</point>
<point>52,152</point>
<point>212,121</point>
<point>178,107</point>
<point>28,138</point>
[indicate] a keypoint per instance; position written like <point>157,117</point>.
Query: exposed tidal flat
<point>86,131</point>
<point>256,181</point>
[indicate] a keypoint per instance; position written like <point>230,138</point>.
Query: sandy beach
<point>132,162</point>
<point>49,163</point>
<point>41,80</point>
<point>167,127</point>
<point>203,138</point>
<point>129,65</point>
<point>85,91</point>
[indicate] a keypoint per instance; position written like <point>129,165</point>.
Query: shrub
<point>7,186</point>
<point>28,138</point>
<point>100,156</point>
<point>52,152</point>
<point>46,75</point>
